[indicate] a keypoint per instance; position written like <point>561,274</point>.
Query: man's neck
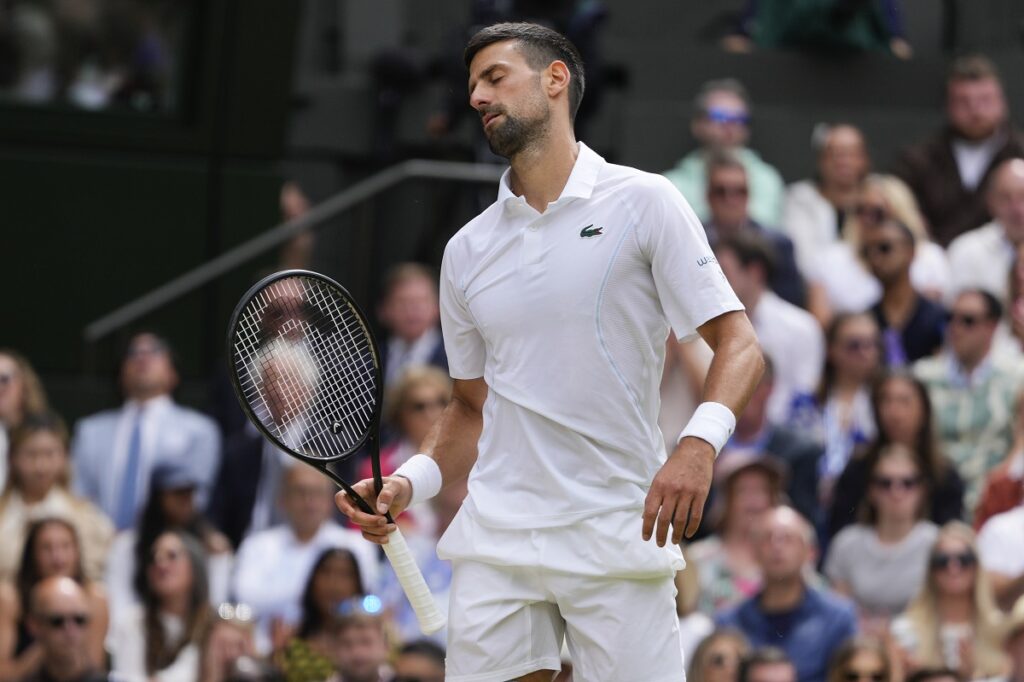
<point>840,196</point>
<point>64,671</point>
<point>305,535</point>
<point>782,596</point>
<point>144,397</point>
<point>540,172</point>
<point>726,228</point>
<point>898,301</point>
<point>969,364</point>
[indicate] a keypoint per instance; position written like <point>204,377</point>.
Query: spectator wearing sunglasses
<point>983,258</point>
<point>973,390</point>
<point>728,201</point>
<point>861,659</point>
<point>420,661</point>
<point>881,562</point>
<point>718,657</point>
<point>912,325</point>
<point>954,621</point>
<point>839,279</point>
<point>721,122</point>
<point>21,394</point>
<point>814,213</point>
<point>59,614</point>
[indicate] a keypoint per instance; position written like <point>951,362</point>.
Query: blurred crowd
<point>866,521</point>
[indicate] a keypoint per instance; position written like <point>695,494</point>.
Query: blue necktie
<point>125,516</point>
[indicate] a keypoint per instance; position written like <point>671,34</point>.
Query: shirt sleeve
<point>462,340</point>
<point>993,548</point>
<point>690,283</point>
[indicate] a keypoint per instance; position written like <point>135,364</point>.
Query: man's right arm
<point>451,443</point>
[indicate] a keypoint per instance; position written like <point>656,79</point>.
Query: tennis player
<point>556,303</point>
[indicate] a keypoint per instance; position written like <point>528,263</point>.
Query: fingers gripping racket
<point>307,372</point>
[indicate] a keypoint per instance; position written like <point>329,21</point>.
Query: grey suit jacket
<point>180,434</point>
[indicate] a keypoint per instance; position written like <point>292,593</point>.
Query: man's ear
<point>557,77</point>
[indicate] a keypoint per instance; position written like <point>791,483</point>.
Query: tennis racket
<point>307,372</point>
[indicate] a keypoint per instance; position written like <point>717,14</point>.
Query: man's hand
<point>679,491</point>
<point>394,498</point>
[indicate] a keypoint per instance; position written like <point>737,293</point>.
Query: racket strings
<point>303,356</point>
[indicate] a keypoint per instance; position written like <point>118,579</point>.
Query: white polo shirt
<point>565,315</point>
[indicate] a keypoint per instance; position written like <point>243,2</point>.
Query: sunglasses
<point>870,214</point>
<point>424,405</point>
<point>57,621</point>
<point>967,320</point>
<point>880,248</point>
<point>716,115</point>
<point>719,660</point>
<point>170,555</point>
<point>964,560</point>
<point>858,345</point>
<point>858,675</point>
<point>899,483</point>
<point>727,191</point>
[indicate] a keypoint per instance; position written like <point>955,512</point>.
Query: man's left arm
<point>679,490</point>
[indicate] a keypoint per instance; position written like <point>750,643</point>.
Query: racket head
<point>302,358</point>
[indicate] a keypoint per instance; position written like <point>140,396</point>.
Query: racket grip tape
<point>409,576</point>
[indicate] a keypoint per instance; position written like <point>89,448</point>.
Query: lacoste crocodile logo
<point>591,231</point>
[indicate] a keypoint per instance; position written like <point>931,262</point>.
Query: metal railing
<point>260,244</point>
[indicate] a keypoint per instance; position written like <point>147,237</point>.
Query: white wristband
<point>711,422</point>
<point>423,474</point>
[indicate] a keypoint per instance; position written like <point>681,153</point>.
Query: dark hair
<point>993,308</point>
<point>730,85</point>
<point>849,649</point>
<point>765,655</point>
<point>426,648</point>
<point>867,512</point>
<point>925,674</point>
<point>28,571</point>
<point>751,249</point>
<point>700,654</point>
<point>404,272</point>
<point>159,653</point>
<point>313,620</point>
<point>828,374</point>
<point>540,46</point>
<point>972,67</point>
<point>931,460</point>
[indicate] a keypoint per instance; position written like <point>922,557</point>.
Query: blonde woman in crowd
<point>954,621</point>
<point>840,282</point>
<point>38,486</point>
<point>21,394</point>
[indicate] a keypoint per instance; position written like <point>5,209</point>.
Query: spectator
<point>21,394</point>
<point>362,651</point>
<point>808,624</point>
<point>297,252</point>
<point>51,550</point>
<point>1001,550</point>
<point>721,122</point>
<point>115,451</point>
<point>171,506</point>
<point>790,336</point>
<point>839,418</point>
<point>727,194</point>
<point>903,414</point>
<point>815,211</point>
<point>272,566</point>
<point>980,258</point>
<point>882,562</point>
<point>725,563</point>
<point>756,436</point>
<point>410,313</point>
<point>308,652</point>
<point>1013,643</point>
<point>162,639</point>
<point>935,675</point>
<point>840,281</point>
<point>1015,301</point>
<point>954,621</point>
<point>973,391</point>
<point>420,661</point>
<point>767,664</point>
<point>861,659</point>
<point>912,325</point>
<point>718,657</point>
<point>1004,489</point>
<point>950,172</point>
<point>58,619</point>
<point>38,488</point>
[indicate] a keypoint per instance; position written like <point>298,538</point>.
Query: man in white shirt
<point>556,303</point>
<point>982,258</point>
<point>114,452</point>
<point>790,336</point>
<point>1001,546</point>
<point>272,566</point>
<point>409,310</point>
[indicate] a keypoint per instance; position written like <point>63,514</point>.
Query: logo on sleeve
<point>704,260</point>
<point>591,231</point>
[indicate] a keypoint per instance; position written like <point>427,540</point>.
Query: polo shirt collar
<point>580,184</point>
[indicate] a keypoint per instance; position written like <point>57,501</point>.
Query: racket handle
<point>409,576</point>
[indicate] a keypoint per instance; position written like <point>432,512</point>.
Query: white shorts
<point>508,621</point>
